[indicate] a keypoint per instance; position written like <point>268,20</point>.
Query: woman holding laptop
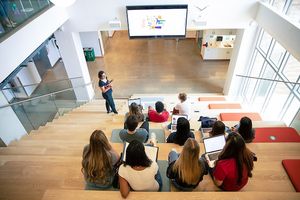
<point>234,164</point>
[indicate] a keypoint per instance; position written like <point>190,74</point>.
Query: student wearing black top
<point>182,133</point>
<point>186,170</point>
<point>244,128</point>
<point>106,89</point>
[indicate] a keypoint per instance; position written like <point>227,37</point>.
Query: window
<point>277,54</point>
<point>294,11</point>
<point>291,70</point>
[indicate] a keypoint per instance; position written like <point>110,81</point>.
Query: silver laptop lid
<point>175,118</point>
<point>136,100</point>
<point>215,143</point>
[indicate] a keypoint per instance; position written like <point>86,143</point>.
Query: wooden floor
<point>46,164</point>
<point>158,66</point>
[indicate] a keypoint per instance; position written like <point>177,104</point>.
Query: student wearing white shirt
<point>138,172</point>
<point>183,108</point>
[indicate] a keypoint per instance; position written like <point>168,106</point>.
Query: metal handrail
<point>53,81</point>
<point>45,95</point>
<point>268,79</point>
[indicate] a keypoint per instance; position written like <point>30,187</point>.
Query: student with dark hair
<point>244,128</point>
<point>234,165</point>
<point>132,133</point>
<point>217,129</point>
<point>159,114</point>
<point>97,162</point>
<point>186,170</point>
<point>138,173</point>
<point>106,89</point>
<point>182,133</point>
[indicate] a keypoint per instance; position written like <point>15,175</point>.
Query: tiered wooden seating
<point>46,164</point>
<point>238,116</point>
<point>224,106</point>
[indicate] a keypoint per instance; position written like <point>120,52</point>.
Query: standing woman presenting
<point>106,88</point>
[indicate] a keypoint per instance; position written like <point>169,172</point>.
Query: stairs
<point>46,164</point>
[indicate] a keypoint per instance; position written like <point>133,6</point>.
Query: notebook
<point>213,146</point>
<point>151,152</point>
<point>174,122</point>
<point>137,101</point>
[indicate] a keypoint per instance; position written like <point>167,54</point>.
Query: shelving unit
<point>219,43</point>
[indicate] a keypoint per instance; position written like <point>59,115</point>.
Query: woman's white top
<point>184,109</point>
<point>140,180</point>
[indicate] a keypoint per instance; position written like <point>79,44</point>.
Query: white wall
<point>11,127</point>
<point>29,76</point>
<point>91,39</point>
<point>94,14</point>
<point>15,49</point>
<point>278,26</point>
<point>243,48</point>
<point>53,53</point>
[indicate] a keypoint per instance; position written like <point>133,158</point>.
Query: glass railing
<point>18,93</point>
<point>39,110</point>
<point>15,12</point>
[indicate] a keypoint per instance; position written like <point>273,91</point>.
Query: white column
<point>10,125</point>
<point>72,55</point>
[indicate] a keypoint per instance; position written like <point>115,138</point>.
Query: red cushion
<point>238,116</point>
<point>276,134</point>
<point>224,106</point>
<point>292,168</point>
<point>211,99</point>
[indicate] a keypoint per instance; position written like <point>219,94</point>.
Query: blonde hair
<point>97,161</point>
<point>187,165</point>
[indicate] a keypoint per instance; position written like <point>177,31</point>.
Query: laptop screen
<point>137,101</point>
<point>214,143</point>
<point>175,118</point>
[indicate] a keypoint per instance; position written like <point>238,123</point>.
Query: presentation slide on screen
<point>157,22</point>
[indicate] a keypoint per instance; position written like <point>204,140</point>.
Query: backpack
<point>207,122</point>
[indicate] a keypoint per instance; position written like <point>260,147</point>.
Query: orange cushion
<point>238,116</point>
<point>292,169</point>
<point>211,99</point>
<point>224,106</point>
<point>276,134</point>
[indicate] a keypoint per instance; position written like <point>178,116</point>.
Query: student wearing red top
<point>235,164</point>
<point>159,114</point>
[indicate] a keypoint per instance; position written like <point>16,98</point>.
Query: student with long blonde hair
<point>97,162</point>
<point>186,170</point>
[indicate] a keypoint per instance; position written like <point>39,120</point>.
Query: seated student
<point>183,108</point>
<point>132,133</point>
<point>182,133</point>
<point>244,128</point>
<point>138,173</point>
<point>217,129</point>
<point>234,165</point>
<point>97,162</point>
<point>159,114</point>
<point>186,170</point>
<point>135,109</point>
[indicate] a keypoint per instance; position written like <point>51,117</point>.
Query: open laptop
<point>136,100</point>
<point>205,132</point>
<point>174,119</point>
<point>213,146</point>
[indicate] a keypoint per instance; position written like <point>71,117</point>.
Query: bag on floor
<point>115,182</point>
<point>207,122</point>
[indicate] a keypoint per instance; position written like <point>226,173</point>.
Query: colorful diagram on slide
<point>154,22</point>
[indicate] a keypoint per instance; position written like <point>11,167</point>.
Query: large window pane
<point>265,42</point>
<point>294,11</point>
<point>276,102</point>
<point>263,87</point>
<point>250,90</point>
<point>257,65</point>
<point>292,69</point>
<point>291,111</point>
<point>277,54</point>
<point>279,4</point>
